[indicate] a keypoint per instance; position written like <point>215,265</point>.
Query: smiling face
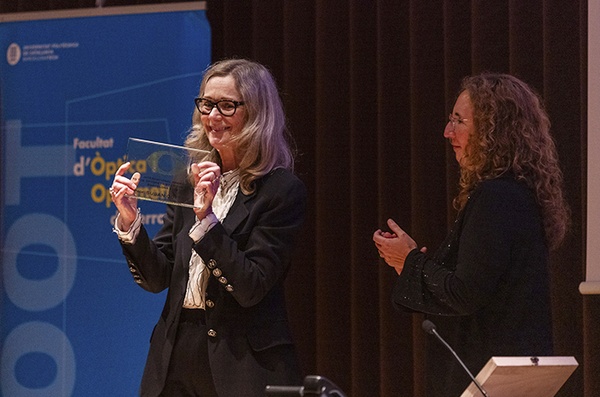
<point>460,126</point>
<point>221,129</point>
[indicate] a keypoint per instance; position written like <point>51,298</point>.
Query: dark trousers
<point>189,372</point>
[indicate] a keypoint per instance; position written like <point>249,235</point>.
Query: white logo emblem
<point>13,54</point>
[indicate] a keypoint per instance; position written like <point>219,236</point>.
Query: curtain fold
<point>367,86</point>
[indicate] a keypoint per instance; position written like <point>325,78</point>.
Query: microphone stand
<point>429,327</point>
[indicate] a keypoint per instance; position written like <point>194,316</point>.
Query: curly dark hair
<point>512,135</point>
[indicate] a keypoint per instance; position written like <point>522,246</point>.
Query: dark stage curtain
<point>368,85</point>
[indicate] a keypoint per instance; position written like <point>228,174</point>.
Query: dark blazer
<point>486,287</point>
<point>248,255</point>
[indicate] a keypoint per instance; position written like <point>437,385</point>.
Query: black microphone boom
<point>429,327</point>
<point>314,386</point>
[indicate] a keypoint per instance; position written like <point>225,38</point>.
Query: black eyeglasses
<point>226,107</point>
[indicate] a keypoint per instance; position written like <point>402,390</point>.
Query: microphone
<point>284,391</point>
<point>429,327</point>
<point>314,386</point>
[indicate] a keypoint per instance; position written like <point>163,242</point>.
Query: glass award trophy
<point>162,171</point>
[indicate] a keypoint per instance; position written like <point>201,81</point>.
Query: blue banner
<point>73,90</point>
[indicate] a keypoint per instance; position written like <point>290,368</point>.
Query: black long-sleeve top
<point>486,287</point>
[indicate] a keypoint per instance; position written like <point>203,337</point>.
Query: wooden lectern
<point>522,376</point>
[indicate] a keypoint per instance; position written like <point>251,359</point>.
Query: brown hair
<point>512,134</point>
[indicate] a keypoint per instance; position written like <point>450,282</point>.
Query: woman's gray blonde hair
<point>264,143</point>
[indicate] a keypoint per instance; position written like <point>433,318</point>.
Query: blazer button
<point>212,333</point>
<point>210,304</point>
<point>223,280</point>
<point>229,288</point>
<point>211,264</point>
<point>217,272</point>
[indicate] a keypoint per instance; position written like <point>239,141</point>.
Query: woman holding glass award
<point>224,329</point>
